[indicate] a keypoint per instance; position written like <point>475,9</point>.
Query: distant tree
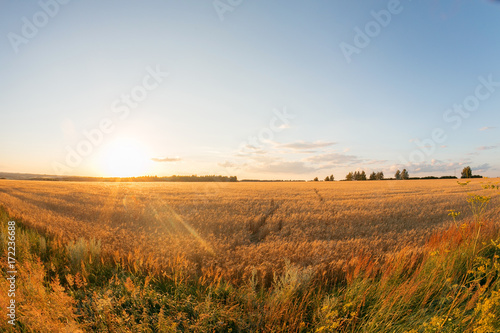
<point>467,172</point>
<point>327,179</point>
<point>316,179</point>
<point>331,178</point>
<point>379,175</point>
<point>398,175</point>
<point>357,175</point>
<point>373,176</point>
<point>349,176</point>
<point>404,174</point>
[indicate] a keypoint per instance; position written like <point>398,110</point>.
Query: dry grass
<point>234,228</point>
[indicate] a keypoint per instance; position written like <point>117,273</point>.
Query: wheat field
<point>237,228</point>
<point>362,256</point>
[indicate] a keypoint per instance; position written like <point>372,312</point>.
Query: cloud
<point>166,159</point>
<point>486,128</point>
<point>375,161</point>
<point>481,168</point>
<point>335,158</point>
<point>249,150</point>
<point>300,152</point>
<point>433,166</point>
<point>299,145</point>
<point>283,167</point>
<point>487,147</point>
<point>227,164</point>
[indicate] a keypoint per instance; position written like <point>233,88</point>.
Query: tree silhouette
<point>357,175</point>
<point>376,175</point>
<point>467,172</point>
<point>398,175</point>
<point>404,174</point>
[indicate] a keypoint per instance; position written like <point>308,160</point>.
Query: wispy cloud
<point>299,145</point>
<point>487,147</point>
<point>248,149</point>
<point>227,164</point>
<point>371,162</point>
<point>335,159</point>
<point>283,167</point>
<point>482,167</point>
<point>436,166</point>
<point>166,159</point>
<point>486,128</point>
<point>442,166</point>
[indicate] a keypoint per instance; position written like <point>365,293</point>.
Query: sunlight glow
<point>125,157</point>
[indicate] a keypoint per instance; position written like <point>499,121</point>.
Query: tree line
<point>361,175</point>
<point>399,175</point>
<point>174,178</point>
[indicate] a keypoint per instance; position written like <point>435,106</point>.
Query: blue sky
<point>257,89</point>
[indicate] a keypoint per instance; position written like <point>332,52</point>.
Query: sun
<point>125,157</point>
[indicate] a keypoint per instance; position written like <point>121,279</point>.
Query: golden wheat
<point>236,228</point>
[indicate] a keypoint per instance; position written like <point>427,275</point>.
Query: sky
<point>257,89</point>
